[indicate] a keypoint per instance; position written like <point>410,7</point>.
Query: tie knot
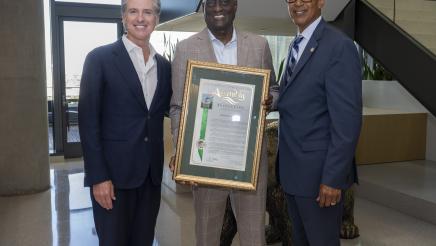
<point>297,40</point>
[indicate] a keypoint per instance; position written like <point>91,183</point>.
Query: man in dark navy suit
<point>320,106</point>
<point>124,94</point>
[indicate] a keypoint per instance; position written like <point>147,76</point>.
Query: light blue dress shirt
<point>225,53</point>
<point>307,34</point>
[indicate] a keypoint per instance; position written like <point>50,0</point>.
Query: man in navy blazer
<point>320,106</point>
<point>124,94</point>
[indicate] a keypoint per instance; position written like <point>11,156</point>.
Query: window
<point>113,2</point>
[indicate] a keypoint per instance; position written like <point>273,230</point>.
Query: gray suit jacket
<point>252,51</point>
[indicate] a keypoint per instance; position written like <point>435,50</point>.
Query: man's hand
<point>172,165</point>
<point>267,103</point>
<point>104,194</point>
<point>328,196</point>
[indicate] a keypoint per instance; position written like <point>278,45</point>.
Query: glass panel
<point>164,42</point>
<point>113,2</point>
<point>79,39</point>
<point>279,46</point>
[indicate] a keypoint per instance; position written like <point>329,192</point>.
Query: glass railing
<point>416,17</point>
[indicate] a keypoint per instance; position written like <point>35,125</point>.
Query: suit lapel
<point>204,48</point>
<point>160,84</point>
<point>242,49</point>
<point>126,68</point>
<point>284,71</point>
<point>307,53</point>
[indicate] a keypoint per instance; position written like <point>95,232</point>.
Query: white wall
<point>391,95</point>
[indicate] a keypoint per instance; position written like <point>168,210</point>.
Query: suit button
<point>146,139</point>
<point>148,117</point>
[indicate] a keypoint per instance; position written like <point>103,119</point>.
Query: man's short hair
<point>156,6</point>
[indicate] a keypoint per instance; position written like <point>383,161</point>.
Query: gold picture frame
<point>221,125</point>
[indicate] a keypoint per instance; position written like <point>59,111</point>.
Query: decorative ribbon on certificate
<point>202,132</point>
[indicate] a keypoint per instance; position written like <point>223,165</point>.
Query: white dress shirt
<point>147,72</point>
<point>307,34</point>
<point>225,53</point>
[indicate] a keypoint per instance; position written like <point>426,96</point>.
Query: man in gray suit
<point>221,43</point>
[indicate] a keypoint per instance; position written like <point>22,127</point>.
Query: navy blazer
<point>320,115</point>
<point>122,139</point>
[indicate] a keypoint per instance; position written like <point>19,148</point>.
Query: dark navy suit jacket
<point>122,139</point>
<point>320,115</point>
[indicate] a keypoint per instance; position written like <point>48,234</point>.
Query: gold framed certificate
<point>221,125</point>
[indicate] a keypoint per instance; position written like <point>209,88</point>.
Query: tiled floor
<point>62,217</point>
<point>413,178</point>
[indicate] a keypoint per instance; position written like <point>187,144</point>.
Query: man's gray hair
<point>156,6</point>
<point>204,1</point>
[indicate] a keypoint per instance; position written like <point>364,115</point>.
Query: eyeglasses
<point>213,3</point>
<point>293,1</point>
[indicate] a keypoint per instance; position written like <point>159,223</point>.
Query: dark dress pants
<point>312,225</point>
<point>132,220</point>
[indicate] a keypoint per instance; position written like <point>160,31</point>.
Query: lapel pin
<point>312,50</point>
